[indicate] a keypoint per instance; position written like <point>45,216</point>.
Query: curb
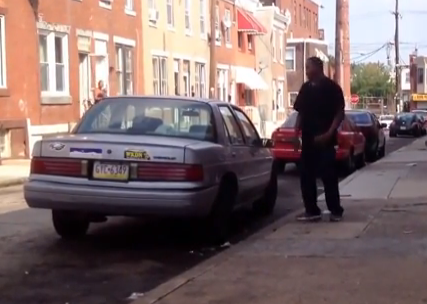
<point>13,182</point>
<point>163,290</point>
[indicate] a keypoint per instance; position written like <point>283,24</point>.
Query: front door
<point>84,82</point>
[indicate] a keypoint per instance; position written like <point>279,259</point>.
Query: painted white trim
<point>294,50</point>
<point>289,98</point>
<point>279,25</point>
<point>101,36</point>
<point>310,40</point>
<point>84,33</point>
<point>3,83</point>
<point>281,78</point>
<point>223,66</point>
<point>159,53</point>
<point>200,60</point>
<point>105,5</point>
<point>130,12</point>
<point>182,57</point>
<point>124,41</point>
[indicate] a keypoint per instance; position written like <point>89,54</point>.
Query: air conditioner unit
<point>153,15</point>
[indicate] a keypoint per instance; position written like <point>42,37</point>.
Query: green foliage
<point>371,80</point>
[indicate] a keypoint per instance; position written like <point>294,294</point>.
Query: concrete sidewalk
<point>14,172</point>
<point>377,255</point>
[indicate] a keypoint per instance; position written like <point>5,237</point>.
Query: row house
<point>62,51</point>
<point>418,82</point>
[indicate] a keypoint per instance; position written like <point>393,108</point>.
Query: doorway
<point>84,82</point>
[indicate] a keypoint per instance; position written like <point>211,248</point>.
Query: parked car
<point>406,124</point>
<point>422,114</point>
<point>386,120</point>
<point>349,151</point>
<point>373,131</point>
<point>161,156</point>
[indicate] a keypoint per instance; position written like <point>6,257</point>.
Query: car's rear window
<point>421,113</point>
<point>405,116</point>
<point>150,116</point>
<point>386,117</point>
<point>360,118</point>
<point>290,121</point>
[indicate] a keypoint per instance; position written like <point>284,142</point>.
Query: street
<point>118,258</point>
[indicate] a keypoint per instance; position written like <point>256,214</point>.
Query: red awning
<point>246,22</point>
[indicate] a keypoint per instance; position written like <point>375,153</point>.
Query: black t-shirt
<point>318,104</point>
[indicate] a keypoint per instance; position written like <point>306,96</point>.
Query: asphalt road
<point>118,258</point>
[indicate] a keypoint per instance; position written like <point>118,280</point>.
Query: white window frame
<point>187,21</point>
<point>170,19</point>
<point>151,4</point>
<point>130,7</point>
<point>293,50</point>
<point>200,79</point>
<point>51,63</point>
<point>121,71</point>
<point>3,74</point>
<point>273,46</point>
<point>217,27</point>
<point>162,79</point>
<point>289,98</point>
<point>108,4</point>
<point>222,84</point>
<point>203,20</point>
<point>281,53</point>
<point>227,34</point>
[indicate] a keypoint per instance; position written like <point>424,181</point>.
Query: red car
<point>350,148</point>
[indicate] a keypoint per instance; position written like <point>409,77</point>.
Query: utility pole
<point>398,97</point>
<point>212,51</point>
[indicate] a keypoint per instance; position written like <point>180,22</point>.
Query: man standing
<point>320,105</point>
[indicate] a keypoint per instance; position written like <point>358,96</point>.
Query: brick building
<point>62,51</point>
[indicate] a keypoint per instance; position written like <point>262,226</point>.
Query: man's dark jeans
<point>319,162</point>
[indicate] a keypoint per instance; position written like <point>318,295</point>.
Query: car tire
<point>381,152</point>
<point>218,221</point>
<point>280,165</point>
<point>392,134</point>
<point>265,205</point>
<point>349,165</point>
<point>361,161</point>
<point>372,155</point>
<point>70,224</point>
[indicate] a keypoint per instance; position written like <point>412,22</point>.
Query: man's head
<point>314,68</point>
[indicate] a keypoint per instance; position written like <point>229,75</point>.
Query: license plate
<point>402,128</point>
<point>110,171</point>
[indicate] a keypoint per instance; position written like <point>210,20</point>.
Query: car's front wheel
<point>70,224</point>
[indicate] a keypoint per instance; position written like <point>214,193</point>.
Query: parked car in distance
<point>349,151</point>
<point>386,120</point>
<point>373,131</point>
<point>160,156</point>
<point>406,124</point>
<point>422,114</point>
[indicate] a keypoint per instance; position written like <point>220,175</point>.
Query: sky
<point>372,25</point>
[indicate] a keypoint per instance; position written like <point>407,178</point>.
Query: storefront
<point>419,101</point>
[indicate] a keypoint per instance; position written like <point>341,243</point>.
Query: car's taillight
<point>167,172</point>
<point>59,166</point>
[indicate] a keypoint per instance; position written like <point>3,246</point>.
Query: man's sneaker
<point>306,217</point>
<point>335,218</point>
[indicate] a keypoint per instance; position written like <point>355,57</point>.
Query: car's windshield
<point>290,121</point>
<point>405,116</point>
<point>150,116</point>
<point>386,117</point>
<point>359,118</point>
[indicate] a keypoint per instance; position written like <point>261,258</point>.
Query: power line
<point>363,57</point>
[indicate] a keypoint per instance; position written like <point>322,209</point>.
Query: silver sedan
<point>162,156</point>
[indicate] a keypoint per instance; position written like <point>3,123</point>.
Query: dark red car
<point>350,148</point>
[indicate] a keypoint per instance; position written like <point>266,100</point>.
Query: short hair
<point>317,62</point>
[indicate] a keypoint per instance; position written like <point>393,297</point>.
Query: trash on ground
<point>225,245</point>
<point>135,296</point>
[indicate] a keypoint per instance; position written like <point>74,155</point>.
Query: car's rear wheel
<point>372,155</point>
<point>392,134</point>
<point>349,164</point>
<point>417,132</point>
<point>265,205</point>
<point>70,224</point>
<point>381,152</point>
<point>361,160</point>
<point>280,165</point>
<point>218,221</point>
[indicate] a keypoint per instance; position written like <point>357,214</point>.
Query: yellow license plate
<point>110,171</point>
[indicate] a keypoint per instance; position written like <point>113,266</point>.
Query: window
<point>105,3</point>
<point>53,50</point>
<point>160,76</point>
<point>217,28</point>
<point>129,6</point>
<point>222,77</point>
<point>420,75</point>
<point>200,79</point>
<point>240,40</point>
<point>150,117</point>
<point>407,77</point>
<point>187,15</point>
<point>170,13</point>
<point>281,42</point>
<point>249,100</point>
<point>290,59</point>
<point>203,17</point>
<point>124,69</point>
<point>176,70</point>
<point>151,4</point>
<point>273,45</point>
<point>227,25</point>
<point>292,98</point>
<point>279,93</point>
<point>231,126</point>
<point>3,83</point>
<point>250,41</point>
<point>249,130</point>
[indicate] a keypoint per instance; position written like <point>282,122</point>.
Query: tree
<point>371,80</point>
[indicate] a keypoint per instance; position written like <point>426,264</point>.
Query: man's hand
<point>323,138</point>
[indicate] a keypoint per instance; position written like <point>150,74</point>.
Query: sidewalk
<point>376,256</point>
<point>14,172</point>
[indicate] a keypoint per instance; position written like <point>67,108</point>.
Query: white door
<point>84,82</point>
<point>101,63</point>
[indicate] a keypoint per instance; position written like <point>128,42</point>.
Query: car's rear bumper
<point>119,201</point>
<point>289,155</point>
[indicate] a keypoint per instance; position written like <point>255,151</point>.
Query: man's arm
<point>298,106</point>
<point>339,106</point>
